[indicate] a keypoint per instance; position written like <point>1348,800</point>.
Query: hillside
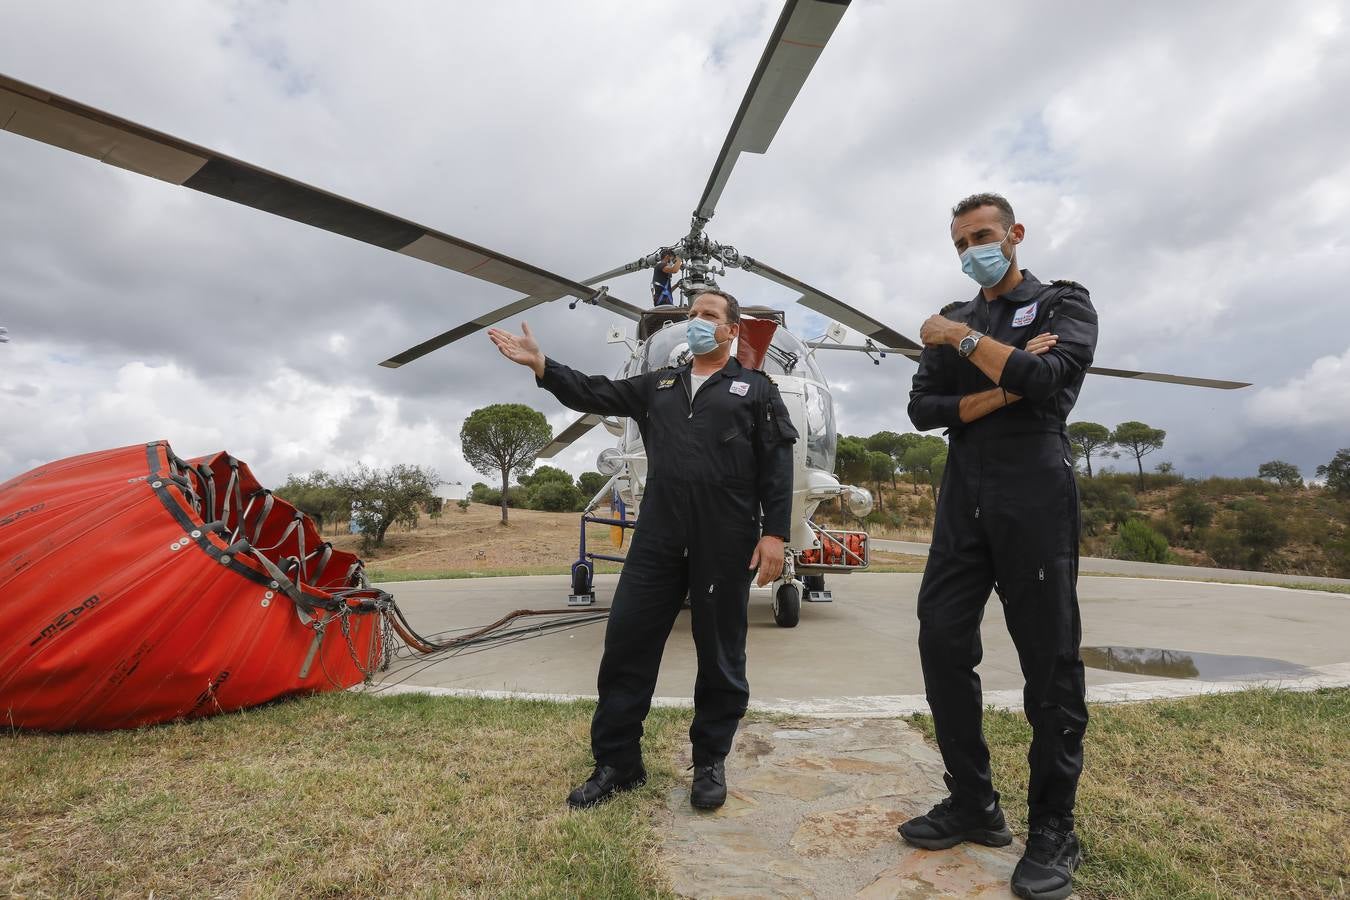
<point>474,542</point>
<point>1234,523</point>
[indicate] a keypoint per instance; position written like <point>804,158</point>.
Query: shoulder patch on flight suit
<point>666,382</point>
<point>1064,282</point>
<point>949,307</point>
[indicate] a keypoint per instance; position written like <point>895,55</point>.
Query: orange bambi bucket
<point>138,588</point>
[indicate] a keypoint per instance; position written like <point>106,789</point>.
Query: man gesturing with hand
<point>719,458</point>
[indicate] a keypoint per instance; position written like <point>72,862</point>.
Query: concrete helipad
<point>858,656</point>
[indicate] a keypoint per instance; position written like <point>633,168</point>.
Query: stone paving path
<point>812,812</point>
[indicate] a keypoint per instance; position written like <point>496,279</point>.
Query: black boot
<point>709,790</point>
<point>604,783</point>
<point>948,824</point>
<point>1046,869</point>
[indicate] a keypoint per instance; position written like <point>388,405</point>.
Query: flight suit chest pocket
<point>735,453</point>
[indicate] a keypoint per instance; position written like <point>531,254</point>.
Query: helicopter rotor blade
<point>34,113</point>
<point>520,304</point>
<point>794,46</point>
<point>816,299</point>
<point>563,439</point>
<point>1165,378</point>
<point>1161,377</point>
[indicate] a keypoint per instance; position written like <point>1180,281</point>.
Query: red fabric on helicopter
<point>756,335</point>
<point>137,588</point>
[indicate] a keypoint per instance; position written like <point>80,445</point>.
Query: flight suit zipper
<point>689,392</point>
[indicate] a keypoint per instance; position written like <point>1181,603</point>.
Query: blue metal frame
<point>587,560</point>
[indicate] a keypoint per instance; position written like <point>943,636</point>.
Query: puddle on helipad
<point>1184,664</point>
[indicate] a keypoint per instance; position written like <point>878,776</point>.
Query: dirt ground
<point>475,541</point>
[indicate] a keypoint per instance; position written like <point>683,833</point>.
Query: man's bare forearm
<point>978,405</point>
<point>990,357</point>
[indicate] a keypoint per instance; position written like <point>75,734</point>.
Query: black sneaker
<point>604,783</point>
<point>948,824</point>
<point>1046,869</point>
<point>709,790</point>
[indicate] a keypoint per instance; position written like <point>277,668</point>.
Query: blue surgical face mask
<point>702,336</point>
<point>986,263</point>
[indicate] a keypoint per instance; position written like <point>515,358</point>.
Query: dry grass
<point>332,796</point>
<point>474,544</point>
<point>1230,795</point>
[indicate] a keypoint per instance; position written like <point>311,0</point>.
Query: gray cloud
<point>1188,163</point>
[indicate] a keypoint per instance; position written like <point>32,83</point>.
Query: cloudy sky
<point>1189,163</point>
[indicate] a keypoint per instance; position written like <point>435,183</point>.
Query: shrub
<point>1190,509</point>
<point>554,496</point>
<point>1218,487</point>
<point>1106,493</point>
<point>1095,520</point>
<point>887,519</point>
<point>1224,548</point>
<point>1260,532</point>
<point>1140,542</point>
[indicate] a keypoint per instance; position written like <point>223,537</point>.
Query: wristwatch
<point>967,345</point>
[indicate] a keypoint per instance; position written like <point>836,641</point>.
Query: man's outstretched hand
<point>518,348</point>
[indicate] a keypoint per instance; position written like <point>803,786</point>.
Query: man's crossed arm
<point>990,357</point>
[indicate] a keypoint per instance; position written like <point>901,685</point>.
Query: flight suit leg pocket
<point>1041,609</point>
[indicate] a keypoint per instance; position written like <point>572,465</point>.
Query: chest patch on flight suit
<point>1025,316</point>
<point>739,388</point>
<point>665,383</point>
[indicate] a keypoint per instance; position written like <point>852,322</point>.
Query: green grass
<point>339,795</point>
<point>1229,795</point>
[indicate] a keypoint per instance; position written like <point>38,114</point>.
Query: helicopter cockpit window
<point>667,348</point>
<point>820,434</point>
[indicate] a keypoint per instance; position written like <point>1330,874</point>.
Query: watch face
<point>967,345</point>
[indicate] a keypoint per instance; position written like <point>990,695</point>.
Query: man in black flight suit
<point>1001,373</point>
<point>719,450</point>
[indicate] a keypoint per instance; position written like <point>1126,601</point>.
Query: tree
<point>317,495</point>
<point>1337,472</point>
<point>1139,440</point>
<point>1282,473</point>
<point>1087,438</point>
<point>553,495</point>
<point>919,459</point>
<point>543,474</point>
<point>590,483</point>
<point>850,460</point>
<point>1191,511</point>
<point>882,468</point>
<point>936,468</point>
<point>851,465</point>
<point>504,438</point>
<point>463,504</point>
<point>381,497</point>
<point>893,444</point>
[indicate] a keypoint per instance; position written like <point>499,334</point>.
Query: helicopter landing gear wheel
<point>787,605</point>
<point>583,584</point>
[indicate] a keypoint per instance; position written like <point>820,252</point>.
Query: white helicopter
<point>798,38</point>
<point>811,551</point>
